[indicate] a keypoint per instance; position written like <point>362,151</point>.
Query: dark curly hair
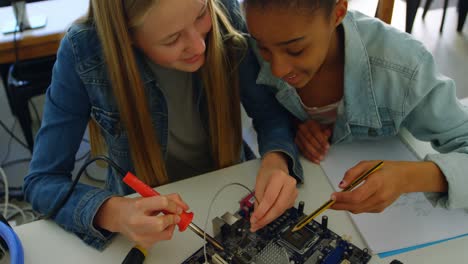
<point>298,5</point>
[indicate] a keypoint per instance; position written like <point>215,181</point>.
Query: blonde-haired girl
<point>160,84</point>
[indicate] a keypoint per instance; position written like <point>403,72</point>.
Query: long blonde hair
<point>113,21</point>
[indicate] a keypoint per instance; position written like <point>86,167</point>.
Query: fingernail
<point>333,197</point>
<point>253,220</point>
<point>342,183</point>
<point>177,219</point>
<point>179,210</point>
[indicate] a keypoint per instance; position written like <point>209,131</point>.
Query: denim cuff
<point>294,165</point>
<point>96,242</point>
<point>84,215</point>
<point>454,166</point>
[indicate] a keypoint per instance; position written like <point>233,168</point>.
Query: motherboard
<point>275,243</point>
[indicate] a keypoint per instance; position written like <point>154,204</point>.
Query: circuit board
<point>275,243</point>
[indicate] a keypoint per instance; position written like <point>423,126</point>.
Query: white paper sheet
<point>411,220</point>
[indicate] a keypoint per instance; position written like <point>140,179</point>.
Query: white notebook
<point>411,220</point>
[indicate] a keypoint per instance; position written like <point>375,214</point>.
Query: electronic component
<point>276,244</point>
<point>217,259</point>
<point>336,254</point>
<point>299,241</point>
<point>272,254</point>
<point>300,208</point>
<point>246,205</point>
<point>229,218</point>
<point>325,222</point>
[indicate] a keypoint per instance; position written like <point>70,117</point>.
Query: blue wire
<point>14,244</point>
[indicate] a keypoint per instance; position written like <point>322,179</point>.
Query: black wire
<point>14,193</point>
<point>14,162</point>
<point>13,135</point>
<point>7,155</point>
<point>15,44</point>
<point>86,155</point>
<point>18,27</point>
<point>36,113</point>
<point>5,164</point>
<point>86,173</point>
<point>60,204</point>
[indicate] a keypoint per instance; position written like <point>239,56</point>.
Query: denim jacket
<point>391,82</point>
<point>80,90</point>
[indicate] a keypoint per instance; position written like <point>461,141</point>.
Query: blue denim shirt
<point>391,82</point>
<point>80,90</point>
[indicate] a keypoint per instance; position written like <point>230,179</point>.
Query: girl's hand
<point>312,140</point>
<point>275,190</point>
<point>385,185</point>
<point>140,219</point>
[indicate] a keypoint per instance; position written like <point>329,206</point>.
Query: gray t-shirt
<point>188,147</point>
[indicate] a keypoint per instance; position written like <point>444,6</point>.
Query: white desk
<point>46,242</point>
<point>41,238</point>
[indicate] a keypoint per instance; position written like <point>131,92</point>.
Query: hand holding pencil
<point>304,221</point>
<point>385,186</point>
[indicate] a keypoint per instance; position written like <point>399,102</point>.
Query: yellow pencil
<point>304,221</point>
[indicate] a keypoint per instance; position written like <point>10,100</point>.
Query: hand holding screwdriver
<point>137,254</point>
<point>185,218</point>
<point>139,219</point>
<point>146,191</point>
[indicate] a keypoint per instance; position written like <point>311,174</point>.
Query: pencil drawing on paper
<point>415,201</point>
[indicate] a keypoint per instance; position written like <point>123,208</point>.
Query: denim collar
<point>359,92</point>
<point>147,75</point>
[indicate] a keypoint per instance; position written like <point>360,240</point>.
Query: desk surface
<point>43,41</point>
<point>41,238</point>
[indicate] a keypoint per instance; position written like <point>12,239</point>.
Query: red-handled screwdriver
<point>185,218</point>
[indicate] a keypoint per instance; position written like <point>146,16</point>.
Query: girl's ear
<point>341,8</point>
